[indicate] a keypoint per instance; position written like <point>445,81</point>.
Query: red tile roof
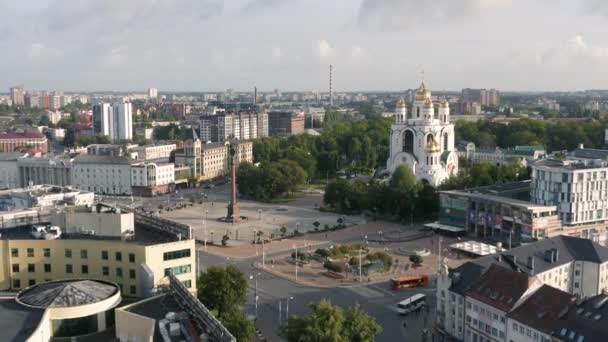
<point>27,135</point>
<point>500,287</point>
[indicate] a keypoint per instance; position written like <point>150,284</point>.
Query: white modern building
<point>102,174</point>
<point>150,179</point>
<point>578,186</point>
<point>152,93</point>
<point>113,120</point>
<point>423,139</point>
<point>154,152</point>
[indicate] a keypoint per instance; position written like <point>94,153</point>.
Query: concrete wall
<point>104,224</point>
<point>132,327</point>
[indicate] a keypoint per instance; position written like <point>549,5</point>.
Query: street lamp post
<point>287,309</point>
<point>205,226</point>
<point>296,260</point>
<point>255,298</point>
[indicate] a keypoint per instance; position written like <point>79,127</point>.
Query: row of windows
<point>68,254</point>
<point>178,269</point>
<point>69,269</point>
<point>182,253</point>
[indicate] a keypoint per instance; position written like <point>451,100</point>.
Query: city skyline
<point>374,45</point>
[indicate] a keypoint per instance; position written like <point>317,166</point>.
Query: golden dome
<point>422,92</point>
<point>401,102</point>
<point>428,103</point>
<point>432,146</point>
<point>444,103</point>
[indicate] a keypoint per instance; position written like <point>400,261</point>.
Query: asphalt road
<point>377,299</point>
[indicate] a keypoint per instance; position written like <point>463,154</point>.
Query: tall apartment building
<point>32,100</point>
<point>284,123</point>
<point>477,300</point>
<point>113,120</point>
<point>152,93</point>
<point>578,186</point>
<point>225,126</point>
<point>485,97</point>
<point>18,96</point>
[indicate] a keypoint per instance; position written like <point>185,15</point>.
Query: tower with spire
<point>423,139</point>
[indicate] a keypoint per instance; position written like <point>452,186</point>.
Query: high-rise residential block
<point>113,120</point>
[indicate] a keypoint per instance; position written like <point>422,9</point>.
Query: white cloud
<point>277,53</point>
<point>39,53</point>
<point>324,48</point>
<point>405,14</point>
<point>357,52</point>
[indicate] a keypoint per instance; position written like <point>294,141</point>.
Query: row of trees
<point>402,197</point>
<point>270,180</point>
<point>327,322</point>
<point>359,145</point>
<point>405,198</point>
<point>562,135</point>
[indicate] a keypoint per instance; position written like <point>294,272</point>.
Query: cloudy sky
<point>288,44</point>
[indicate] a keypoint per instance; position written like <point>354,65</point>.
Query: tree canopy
<point>270,180</point>
<point>327,322</point>
<point>224,290</point>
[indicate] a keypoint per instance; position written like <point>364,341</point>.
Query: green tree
<point>222,289</point>
<point>416,259</point>
<point>403,179</point>
<point>237,323</point>
<point>359,326</point>
<point>327,322</point>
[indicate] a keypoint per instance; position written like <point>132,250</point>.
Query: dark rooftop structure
<point>531,259</point>
<point>586,321</point>
<point>17,322</point>
<point>490,287</point>
<point>67,293</point>
<point>542,309</point>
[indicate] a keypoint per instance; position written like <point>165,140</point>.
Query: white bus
<point>411,304</point>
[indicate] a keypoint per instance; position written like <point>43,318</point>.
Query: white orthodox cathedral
<point>423,139</point>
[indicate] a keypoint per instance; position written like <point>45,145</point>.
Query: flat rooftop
<point>17,322</point>
<point>143,236</point>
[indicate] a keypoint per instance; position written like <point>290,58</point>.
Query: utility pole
<point>205,225</point>
<point>263,255</point>
<point>296,249</point>
<point>280,313</point>
<point>360,268</point>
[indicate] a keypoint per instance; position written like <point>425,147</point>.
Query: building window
<point>47,268</point>
<point>119,272</point>
<point>105,270</point>
<point>30,252</point>
<point>47,252</point>
<point>68,253</point>
<point>131,257</point>
<point>15,268</point>
<point>187,283</point>
<point>576,285</point>
<point>14,252</point>
<point>132,289</point>
<point>178,270</point>
<point>31,282</point>
<point>183,253</point>
<point>85,269</point>
<point>31,268</point>
<point>68,268</point>
<point>118,256</point>
<point>84,254</point>
<point>16,283</point>
<point>104,255</point>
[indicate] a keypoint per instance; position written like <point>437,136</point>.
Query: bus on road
<point>411,304</point>
<point>408,282</point>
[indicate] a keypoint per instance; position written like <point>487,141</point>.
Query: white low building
<point>153,152</point>
<point>150,179</point>
<point>102,174</point>
<point>9,172</point>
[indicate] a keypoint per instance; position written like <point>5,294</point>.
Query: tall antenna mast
<point>331,95</point>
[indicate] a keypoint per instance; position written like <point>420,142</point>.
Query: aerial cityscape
<point>304,171</point>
